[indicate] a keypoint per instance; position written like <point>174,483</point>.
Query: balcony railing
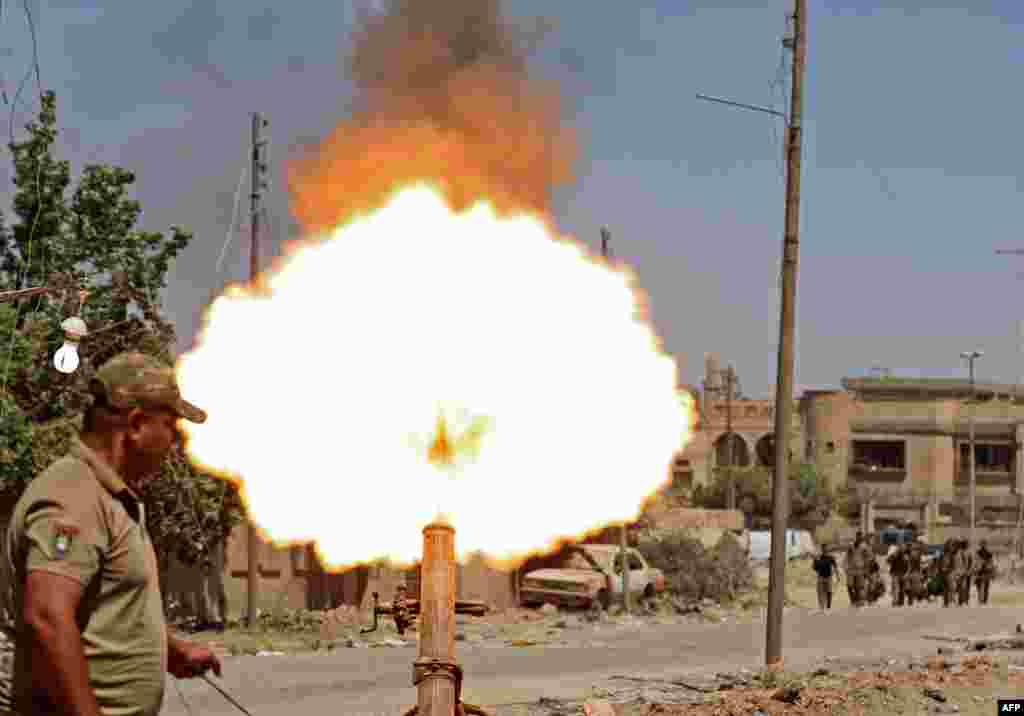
<point>872,473</point>
<point>984,475</point>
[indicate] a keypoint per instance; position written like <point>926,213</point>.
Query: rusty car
<point>589,574</point>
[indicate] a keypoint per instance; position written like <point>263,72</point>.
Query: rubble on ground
<point>938,685</point>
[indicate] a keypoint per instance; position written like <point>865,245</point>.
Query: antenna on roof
<point>880,371</point>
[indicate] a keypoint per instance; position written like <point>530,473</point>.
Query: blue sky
<point>912,156</point>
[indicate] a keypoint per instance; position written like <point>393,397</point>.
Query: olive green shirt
<point>78,519</point>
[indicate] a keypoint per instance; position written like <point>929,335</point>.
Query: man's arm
<point>186,660</point>
<point>58,659</point>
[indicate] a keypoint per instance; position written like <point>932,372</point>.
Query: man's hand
<point>187,661</point>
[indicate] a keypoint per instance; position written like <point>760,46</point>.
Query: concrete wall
<point>282,582</point>
<point>691,518</point>
<point>826,417</point>
<point>931,464</point>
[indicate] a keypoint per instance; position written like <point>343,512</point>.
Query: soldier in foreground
<point>985,571</point>
<point>88,621</point>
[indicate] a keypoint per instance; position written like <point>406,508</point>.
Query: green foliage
<point>189,513</point>
<point>290,620</point>
<point>88,240</point>
<point>694,572</point>
<point>810,498</point>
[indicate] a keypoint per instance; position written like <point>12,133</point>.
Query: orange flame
<point>435,194</point>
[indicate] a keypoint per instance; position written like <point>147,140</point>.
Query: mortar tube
<point>436,694</point>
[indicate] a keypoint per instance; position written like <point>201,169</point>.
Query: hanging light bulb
<point>66,358</point>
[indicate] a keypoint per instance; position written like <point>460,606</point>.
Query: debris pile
<point>939,686</point>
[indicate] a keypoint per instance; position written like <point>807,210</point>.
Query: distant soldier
<point>951,568</point>
<point>875,585</point>
<point>827,569</point>
<point>898,565</point>
<point>856,571</point>
<point>985,570</point>
<point>966,573</point>
<point>914,587</point>
<point>400,610</point>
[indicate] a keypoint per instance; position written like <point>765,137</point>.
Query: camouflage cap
<point>134,380</point>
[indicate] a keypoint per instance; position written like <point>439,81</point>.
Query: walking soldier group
<point>951,575</point>
<point>912,580</point>
<point>907,572</point>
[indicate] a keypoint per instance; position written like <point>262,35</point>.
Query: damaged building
<point>902,443</point>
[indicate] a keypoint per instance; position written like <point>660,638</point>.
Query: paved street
<point>378,681</point>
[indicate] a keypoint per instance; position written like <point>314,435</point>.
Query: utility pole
<point>787,325</point>
<point>259,169</point>
<point>606,239</point>
<point>730,381</point>
<point>970,357</point>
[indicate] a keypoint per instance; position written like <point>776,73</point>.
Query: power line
<point>234,217</point>
<point>26,260</point>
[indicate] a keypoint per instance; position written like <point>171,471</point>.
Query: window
<point>879,454</point>
<point>988,457</point>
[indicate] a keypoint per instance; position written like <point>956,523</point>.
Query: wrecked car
<point>587,575</point>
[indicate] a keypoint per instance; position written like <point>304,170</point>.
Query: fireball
<point>420,360</point>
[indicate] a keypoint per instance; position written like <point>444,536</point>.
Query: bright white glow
<point>328,393</point>
<point>66,358</point>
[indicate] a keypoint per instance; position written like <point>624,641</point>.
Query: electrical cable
<point>234,219</point>
<point>184,701</point>
<point>3,75</point>
<point>27,261</point>
<point>228,697</point>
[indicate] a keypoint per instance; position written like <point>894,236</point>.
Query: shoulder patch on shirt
<point>63,537</point>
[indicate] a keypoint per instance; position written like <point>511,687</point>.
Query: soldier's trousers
<point>964,589</point>
<point>824,592</point>
<point>913,587</point>
<point>858,588</point>
<point>402,620</point>
<point>950,588</point>
<point>898,590</point>
<point>983,584</point>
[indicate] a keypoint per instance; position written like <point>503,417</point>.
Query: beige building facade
<point>901,443</point>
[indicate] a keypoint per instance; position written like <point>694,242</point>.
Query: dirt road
<point>378,681</point>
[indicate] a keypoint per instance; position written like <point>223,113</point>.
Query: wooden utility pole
<point>259,169</point>
<point>606,239</point>
<point>787,326</point>
<point>730,382</point>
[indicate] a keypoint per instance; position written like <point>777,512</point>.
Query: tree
<point>811,500</point>
<point>89,241</point>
